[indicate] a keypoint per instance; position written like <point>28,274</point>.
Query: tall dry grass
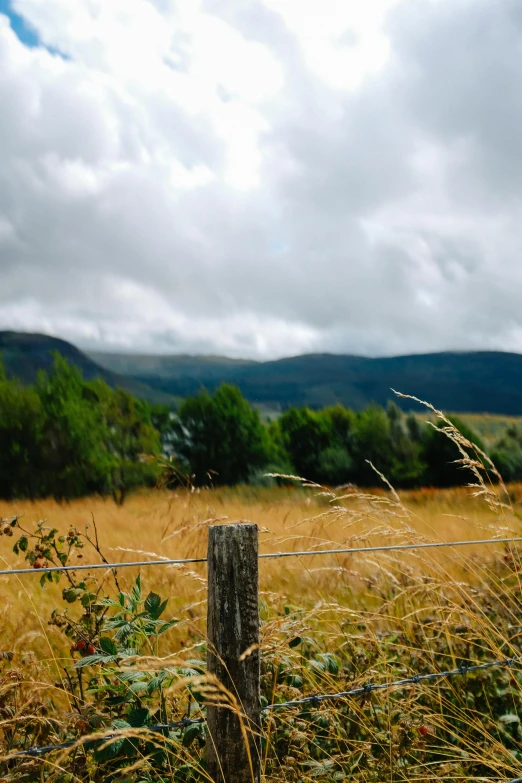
<point>174,525</point>
<point>330,623</point>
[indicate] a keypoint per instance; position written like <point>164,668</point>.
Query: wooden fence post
<point>233,630</point>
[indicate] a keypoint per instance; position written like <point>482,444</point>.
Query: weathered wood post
<point>233,630</point>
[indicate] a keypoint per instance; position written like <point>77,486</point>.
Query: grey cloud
<point>386,219</point>
<point>462,81</point>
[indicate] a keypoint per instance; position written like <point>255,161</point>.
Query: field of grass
<point>329,623</point>
<point>489,427</point>
<point>159,524</point>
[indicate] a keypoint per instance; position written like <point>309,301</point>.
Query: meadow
<point>159,524</point>
<point>489,427</point>
<point>329,623</point>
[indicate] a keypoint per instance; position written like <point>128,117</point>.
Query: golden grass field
<point>490,427</point>
<point>385,614</point>
<point>161,524</point>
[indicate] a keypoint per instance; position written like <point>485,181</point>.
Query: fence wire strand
<point>314,700</point>
<point>369,687</point>
<point>36,752</point>
<point>263,556</point>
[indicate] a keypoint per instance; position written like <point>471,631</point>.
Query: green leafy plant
<point>111,692</point>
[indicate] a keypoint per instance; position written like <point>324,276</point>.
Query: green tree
<point>129,439</point>
<point>373,444</point>
<point>21,430</point>
<point>67,438</point>
<point>220,438</point>
<point>335,466</point>
<point>161,417</point>
<point>442,455</point>
<point>507,455</point>
<point>306,434</point>
<point>407,466</point>
<point>95,439</point>
<point>76,461</point>
<point>341,423</point>
<point>335,462</point>
<point>277,459</point>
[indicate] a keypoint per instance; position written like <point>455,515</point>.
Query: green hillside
<point>23,355</point>
<point>179,366</point>
<point>473,382</point>
<point>490,427</point>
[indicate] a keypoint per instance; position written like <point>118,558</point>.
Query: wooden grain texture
<point>233,629</point>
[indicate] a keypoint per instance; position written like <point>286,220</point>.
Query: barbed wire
<point>263,556</point>
<point>369,687</point>
<point>36,752</point>
<point>314,700</point>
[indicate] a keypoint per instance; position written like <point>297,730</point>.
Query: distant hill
<point>24,354</point>
<point>177,366</point>
<point>472,382</point>
<point>468,382</point>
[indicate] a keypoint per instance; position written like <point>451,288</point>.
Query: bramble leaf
<point>23,544</point>
<point>191,733</point>
<point>154,605</point>
<point>108,645</point>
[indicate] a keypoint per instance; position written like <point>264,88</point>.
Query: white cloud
<point>342,40</point>
<point>263,178</point>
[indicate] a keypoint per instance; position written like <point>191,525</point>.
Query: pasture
<point>329,623</point>
<point>161,524</point>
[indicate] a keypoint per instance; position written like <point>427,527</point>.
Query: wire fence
<point>37,752</point>
<point>415,679</point>
<point>314,700</point>
<point>263,556</point>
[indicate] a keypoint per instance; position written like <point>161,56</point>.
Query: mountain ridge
<point>465,381</point>
<point>25,353</point>
<point>458,381</point>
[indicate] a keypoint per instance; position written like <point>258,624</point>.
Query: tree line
<point>66,437</point>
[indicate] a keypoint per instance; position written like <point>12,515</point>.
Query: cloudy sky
<point>262,177</point>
